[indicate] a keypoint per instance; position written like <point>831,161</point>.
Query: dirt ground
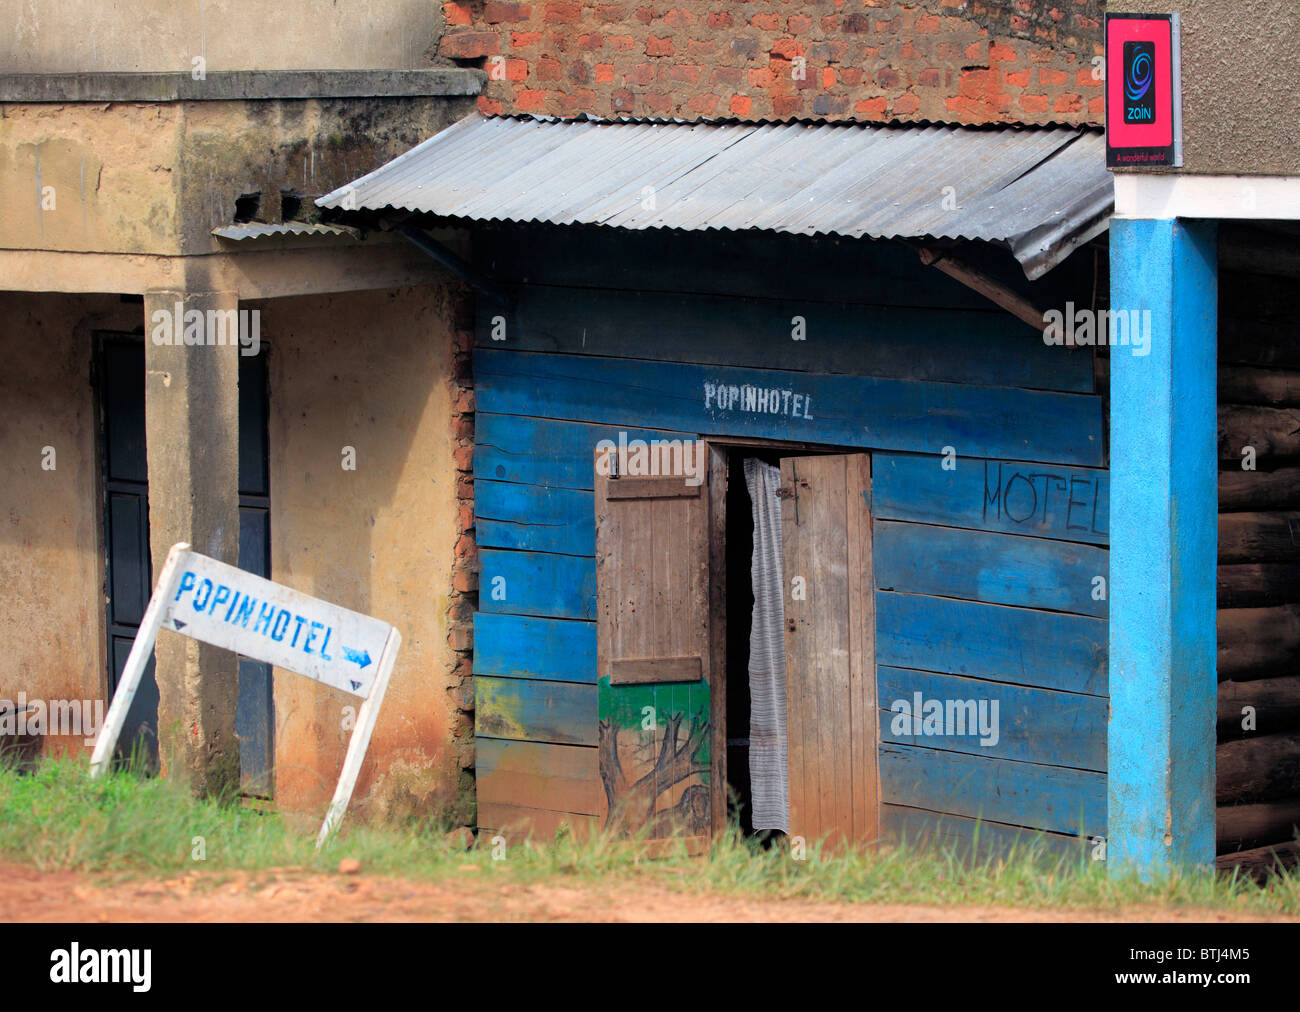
<point>30,895</point>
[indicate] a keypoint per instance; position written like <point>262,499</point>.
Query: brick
<point>659,47</point>
<point>643,73</point>
<point>465,486</point>
<point>740,105</point>
<point>1034,103</point>
<point>1001,51</point>
<point>828,77</point>
<point>830,105</point>
<point>767,22</point>
<point>906,105</point>
<point>684,74</point>
<point>702,47</point>
<point>852,76</point>
<point>703,105</point>
<point>929,78</point>
<point>611,12</point>
<point>464,455</point>
<point>1017,78</point>
<point>786,49</point>
<point>888,77</point>
<point>926,24</point>
<point>620,42</point>
<point>461,639</point>
<point>725,75</point>
<point>562,13</point>
<point>646,14</point>
<point>679,17</point>
<point>1048,75</point>
<point>785,106</point>
<point>623,101</point>
<point>1069,104</point>
<point>516,69</point>
<point>574,102</point>
<point>458,14</point>
<point>856,24</point>
<point>830,23</point>
<point>798,24</point>
<point>578,73</point>
<point>464,402</point>
<point>489,106</point>
<point>469,45</point>
<point>1084,79</point>
<point>743,46</point>
<point>719,20</point>
<point>497,11</point>
<point>657,102</point>
<point>466,551</point>
<point>871,108</point>
<point>524,40</point>
<point>591,41</point>
<point>604,72</point>
<point>463,427</point>
<point>549,69</point>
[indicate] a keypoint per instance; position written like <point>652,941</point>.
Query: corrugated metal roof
<point>260,230</point>
<point>1041,192</point>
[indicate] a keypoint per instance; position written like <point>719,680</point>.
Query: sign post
<point>208,600</point>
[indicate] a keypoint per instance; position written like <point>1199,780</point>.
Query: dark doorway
<point>129,573</point>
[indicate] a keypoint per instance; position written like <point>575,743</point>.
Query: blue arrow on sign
<point>361,658</point>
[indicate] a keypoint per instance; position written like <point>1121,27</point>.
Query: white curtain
<point>768,776</point>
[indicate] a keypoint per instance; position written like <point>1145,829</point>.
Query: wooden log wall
<point>1258,754</point>
<point>985,575</point>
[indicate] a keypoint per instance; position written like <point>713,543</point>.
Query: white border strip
<point>1190,196</point>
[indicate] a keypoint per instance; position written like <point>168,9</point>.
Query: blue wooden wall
<point>985,574</point>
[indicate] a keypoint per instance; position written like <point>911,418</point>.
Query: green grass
<point>55,817</point>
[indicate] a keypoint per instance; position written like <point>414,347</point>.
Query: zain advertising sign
<point>1143,91</point>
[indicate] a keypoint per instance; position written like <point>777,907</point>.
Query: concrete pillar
<point>1164,542</point>
<point>192,435</point>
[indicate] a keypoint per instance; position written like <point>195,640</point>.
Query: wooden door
<point>658,637</point>
<point>832,724</point>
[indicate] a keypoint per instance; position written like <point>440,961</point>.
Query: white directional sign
<point>210,601</point>
<point>225,606</point>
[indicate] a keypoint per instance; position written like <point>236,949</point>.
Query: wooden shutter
<point>830,676</point>
<point>655,648</point>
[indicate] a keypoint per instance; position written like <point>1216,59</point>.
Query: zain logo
<point>1139,82</point>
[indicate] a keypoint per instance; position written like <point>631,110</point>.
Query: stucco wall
<point>1241,60</point>
<point>52,606</point>
<point>157,177</point>
<point>370,371</point>
<point>61,36</point>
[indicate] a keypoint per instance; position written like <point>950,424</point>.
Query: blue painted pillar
<point>1164,543</point>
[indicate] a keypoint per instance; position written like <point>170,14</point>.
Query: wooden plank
<point>830,729</point>
<point>1260,863</point>
<point>1259,537</point>
<point>1258,642</point>
<point>1273,432</point>
<point>533,518</point>
<point>1050,798</point>
<point>887,414</point>
<point>1021,645</point>
<point>1258,585</point>
<point>518,646</point>
<point>972,838</point>
<point>525,710</point>
<point>543,451</point>
<point>1029,725</point>
<point>1259,768</point>
<point>718,480</point>
<point>1239,826</point>
<point>537,583</point>
<point>977,347</point>
<point>1069,504</point>
<point>517,823</point>
<point>651,488</point>
<point>1245,491</point>
<point>526,774</point>
<point>995,568</point>
<point>1275,703</point>
<point>1276,388</point>
<point>862,651</point>
<point>642,670</point>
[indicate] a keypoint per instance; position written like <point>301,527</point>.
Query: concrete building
<point>165,160</point>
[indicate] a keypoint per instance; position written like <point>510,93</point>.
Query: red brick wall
<point>961,61</point>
